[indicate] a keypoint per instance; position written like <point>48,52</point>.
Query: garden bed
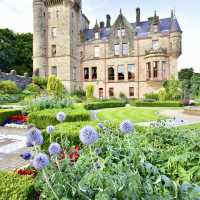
<point>7,113</point>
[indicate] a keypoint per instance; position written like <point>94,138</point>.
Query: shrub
<point>55,86</point>
<point>159,104</point>
<point>10,98</point>
<point>122,96</point>
<point>89,91</point>
<point>42,119</point>
<point>5,114</point>
<point>16,187</point>
<point>40,81</point>
<point>152,95</point>
<point>8,87</point>
<point>104,104</point>
<point>32,87</point>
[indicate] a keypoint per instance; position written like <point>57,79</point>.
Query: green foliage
<point>195,82</point>
<point>40,81</point>
<point>79,93</point>
<point>10,98</point>
<point>104,104</point>
<point>152,95</point>
<point>185,74</point>
<point>16,51</point>
<point>90,91</point>
<point>47,102</point>
<point>42,119</point>
<point>55,86</point>
<point>122,96</point>
<point>15,187</point>
<point>6,113</point>
<point>162,95</point>
<point>8,87</point>
<point>159,104</point>
<point>33,88</point>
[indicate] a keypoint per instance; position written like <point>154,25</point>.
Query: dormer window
<point>117,50</point>
<point>121,32</point>
<point>96,35</point>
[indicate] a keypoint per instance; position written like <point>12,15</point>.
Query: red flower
<point>19,118</point>
<point>73,153</point>
<point>25,172</point>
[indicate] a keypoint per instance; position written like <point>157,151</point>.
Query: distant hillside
<point>16,51</point>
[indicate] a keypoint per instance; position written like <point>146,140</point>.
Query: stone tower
<point>39,42</point>
<point>57,26</point>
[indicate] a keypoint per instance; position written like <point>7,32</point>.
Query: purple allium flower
<point>126,127</point>
<point>61,116</point>
<point>98,151</point>
<point>50,129</point>
<point>54,149</point>
<point>88,135</point>
<point>26,156</point>
<point>34,137</point>
<point>40,161</point>
<point>28,144</point>
<point>100,125</point>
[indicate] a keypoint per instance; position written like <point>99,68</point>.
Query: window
<point>111,74</point>
<point>125,49</point>
<point>117,49</point>
<point>94,73</point>
<point>121,32</point>
<point>131,92</point>
<point>54,70</point>
<point>155,29</point>
<point>96,52</point>
<point>96,36</point>
<point>121,72</point>
<point>53,50</point>
<point>155,44</point>
<point>53,32</point>
<point>86,73</point>
<point>100,92</point>
<point>111,92</point>
<point>148,70</point>
<point>155,69</point>
<point>131,74</point>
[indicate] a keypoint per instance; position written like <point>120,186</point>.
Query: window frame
<point>125,51</point>
<point>121,77</point>
<point>53,50</point>
<point>131,93</point>
<point>111,75</point>
<point>97,52</point>
<point>111,92</point>
<point>94,74</point>
<point>54,70</point>
<point>84,73</point>
<point>131,73</point>
<point>117,50</point>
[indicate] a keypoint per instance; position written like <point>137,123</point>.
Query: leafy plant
<point>89,91</point>
<point>152,95</point>
<point>55,86</point>
<point>8,87</point>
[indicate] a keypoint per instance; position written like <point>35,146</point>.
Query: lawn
<point>130,113</point>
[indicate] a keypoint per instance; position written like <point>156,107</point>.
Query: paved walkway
<point>12,144</point>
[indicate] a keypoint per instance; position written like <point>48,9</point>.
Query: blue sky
<point>17,15</point>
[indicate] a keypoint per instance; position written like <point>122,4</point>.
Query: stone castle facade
<point>132,58</point>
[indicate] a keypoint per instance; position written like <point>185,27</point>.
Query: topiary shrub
<point>159,104</point>
<point>55,86</point>
<point>42,119</point>
<point>8,87</point>
<point>90,91</point>
<point>16,187</point>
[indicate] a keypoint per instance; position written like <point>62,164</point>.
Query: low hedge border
<point>41,119</point>
<point>6,113</point>
<point>158,104</point>
<point>16,187</point>
<point>104,104</point>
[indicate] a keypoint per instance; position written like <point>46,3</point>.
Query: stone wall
<point>21,81</point>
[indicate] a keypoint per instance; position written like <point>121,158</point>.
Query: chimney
<point>108,21</point>
<point>102,24</point>
<point>137,15</point>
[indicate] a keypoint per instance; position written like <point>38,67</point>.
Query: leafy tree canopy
<point>185,74</point>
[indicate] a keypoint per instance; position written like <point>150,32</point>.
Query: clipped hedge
<point>41,119</point>
<point>16,187</point>
<point>6,113</point>
<point>159,104</point>
<point>104,104</point>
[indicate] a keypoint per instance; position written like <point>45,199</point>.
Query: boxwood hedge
<point>16,187</point>
<point>104,104</point>
<point>158,104</point>
<point>41,119</point>
<point>6,113</point>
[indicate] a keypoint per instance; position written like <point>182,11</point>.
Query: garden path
<point>12,144</point>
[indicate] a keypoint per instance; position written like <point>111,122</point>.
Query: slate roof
<point>142,29</point>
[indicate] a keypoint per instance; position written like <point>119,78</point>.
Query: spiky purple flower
<point>100,125</point>
<point>54,149</point>
<point>34,137</point>
<point>40,161</point>
<point>26,156</point>
<point>88,135</point>
<point>61,116</point>
<point>126,127</point>
<point>50,129</point>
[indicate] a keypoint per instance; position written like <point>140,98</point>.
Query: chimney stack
<point>108,21</point>
<point>102,24</point>
<point>137,15</point>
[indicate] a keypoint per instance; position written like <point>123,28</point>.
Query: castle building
<point>120,57</point>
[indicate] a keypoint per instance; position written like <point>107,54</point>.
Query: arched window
<point>111,74</point>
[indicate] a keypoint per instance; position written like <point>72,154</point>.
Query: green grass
<point>191,126</point>
<point>130,113</point>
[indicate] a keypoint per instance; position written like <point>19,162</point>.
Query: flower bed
<point>5,114</point>
<point>42,119</point>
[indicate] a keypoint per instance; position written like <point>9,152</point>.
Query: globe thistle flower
<point>88,135</point>
<point>61,116</point>
<point>54,149</point>
<point>100,125</point>
<point>97,165</point>
<point>50,129</point>
<point>28,144</point>
<point>40,161</point>
<point>34,137</point>
<point>126,127</point>
<point>98,151</point>
<point>26,156</point>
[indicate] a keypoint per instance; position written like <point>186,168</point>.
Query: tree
<point>195,82</point>
<point>185,74</point>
